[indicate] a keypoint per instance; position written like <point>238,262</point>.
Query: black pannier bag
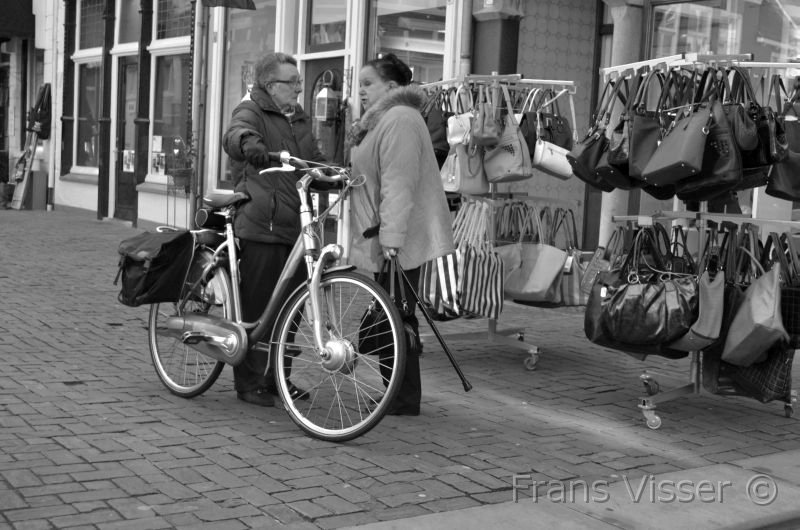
<point>154,266</point>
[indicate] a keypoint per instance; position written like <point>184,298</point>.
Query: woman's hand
<point>389,252</point>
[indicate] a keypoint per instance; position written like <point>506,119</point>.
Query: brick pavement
<point>91,439</point>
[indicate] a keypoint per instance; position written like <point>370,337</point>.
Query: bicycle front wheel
<point>182,369</point>
<point>350,386</point>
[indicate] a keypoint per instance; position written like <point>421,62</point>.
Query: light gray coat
<point>403,191</point>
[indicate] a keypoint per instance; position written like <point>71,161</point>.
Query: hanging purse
<point>552,126</point>
<point>549,157</point>
<point>757,324</point>
<point>680,153</point>
<point>459,125</point>
<point>487,125</point>
<point>783,182</point>
<point>435,112</point>
<point>645,127</point>
<point>509,160</point>
<point>705,331</point>
<point>534,274</point>
<point>587,153</point>
<point>652,306</point>
<point>722,162</point>
<point>462,171</point>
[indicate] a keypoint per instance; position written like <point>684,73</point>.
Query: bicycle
<point>317,328</point>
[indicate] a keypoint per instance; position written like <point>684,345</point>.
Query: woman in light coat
<point>401,209</point>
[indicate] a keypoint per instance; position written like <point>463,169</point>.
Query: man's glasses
<point>295,82</point>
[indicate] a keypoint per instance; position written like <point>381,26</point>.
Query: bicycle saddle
<point>220,200</point>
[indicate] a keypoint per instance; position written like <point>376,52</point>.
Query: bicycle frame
<point>306,248</point>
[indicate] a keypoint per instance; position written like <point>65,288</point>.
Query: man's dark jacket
<point>272,216</point>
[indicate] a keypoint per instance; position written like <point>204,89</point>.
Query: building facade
<point>142,89</point>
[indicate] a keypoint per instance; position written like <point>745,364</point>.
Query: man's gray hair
<point>267,66</point>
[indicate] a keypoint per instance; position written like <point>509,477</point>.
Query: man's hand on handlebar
<point>255,152</point>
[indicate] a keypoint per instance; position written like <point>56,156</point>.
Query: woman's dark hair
<point>390,68</point>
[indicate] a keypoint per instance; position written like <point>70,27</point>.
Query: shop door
<point>126,197</point>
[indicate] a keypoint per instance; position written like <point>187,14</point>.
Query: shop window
<point>768,29</point>
<point>414,34</point>
<point>90,23</point>
<point>326,25</point>
<point>89,92</point>
<point>130,22</point>
<point>173,19</point>
<point>249,35</point>
<point>170,113</point>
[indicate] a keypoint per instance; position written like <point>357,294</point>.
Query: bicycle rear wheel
<point>343,399</point>
<point>182,369</point>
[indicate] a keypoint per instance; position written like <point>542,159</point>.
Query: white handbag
<point>459,125</point>
<point>551,159</point>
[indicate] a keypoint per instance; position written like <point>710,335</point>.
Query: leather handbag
<point>435,112</point>
<point>526,117</point>
<point>645,126</point>
<point>552,125</point>
<point>721,168</point>
<point>509,160</point>
<point>680,153</point>
<point>711,298</point>
<point>459,124</point>
<point>770,379</point>
<point>782,181</point>
<point>604,259</point>
<point>537,267</point>
<point>742,125</point>
<point>650,306</point>
<point>757,324</point>
<point>462,171</point>
<point>587,153</point>
<point>487,125</point>
<point>551,159</point>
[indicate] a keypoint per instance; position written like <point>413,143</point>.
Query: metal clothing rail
<point>676,60</point>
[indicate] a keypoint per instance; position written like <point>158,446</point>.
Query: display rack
<point>514,337</point>
<point>647,404</point>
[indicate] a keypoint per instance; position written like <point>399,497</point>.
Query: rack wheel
<point>654,422</point>
<point>788,410</point>
<point>521,337</point>
<point>530,362</point>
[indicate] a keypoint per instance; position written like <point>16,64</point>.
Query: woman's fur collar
<point>410,96</point>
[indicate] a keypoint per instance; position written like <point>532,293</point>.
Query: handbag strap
<point>509,106</point>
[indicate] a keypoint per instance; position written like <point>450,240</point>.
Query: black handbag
<point>783,181</point>
<point>435,112</point>
<point>645,127</point>
<point>641,307</point>
<point>554,127</point>
<point>374,328</point>
<point>154,267</point>
<point>770,379</point>
<point>722,162</point>
<point>587,153</point>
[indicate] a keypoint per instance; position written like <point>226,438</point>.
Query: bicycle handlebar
<point>292,163</point>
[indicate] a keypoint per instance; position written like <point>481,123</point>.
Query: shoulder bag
<point>509,160</point>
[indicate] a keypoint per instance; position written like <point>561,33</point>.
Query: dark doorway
<point>126,197</point>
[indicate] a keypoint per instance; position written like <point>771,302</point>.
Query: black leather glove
<point>255,152</point>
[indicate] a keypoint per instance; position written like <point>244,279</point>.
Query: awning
<point>241,4</point>
<point>17,19</point>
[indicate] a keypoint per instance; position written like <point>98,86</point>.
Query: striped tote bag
<point>480,274</point>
